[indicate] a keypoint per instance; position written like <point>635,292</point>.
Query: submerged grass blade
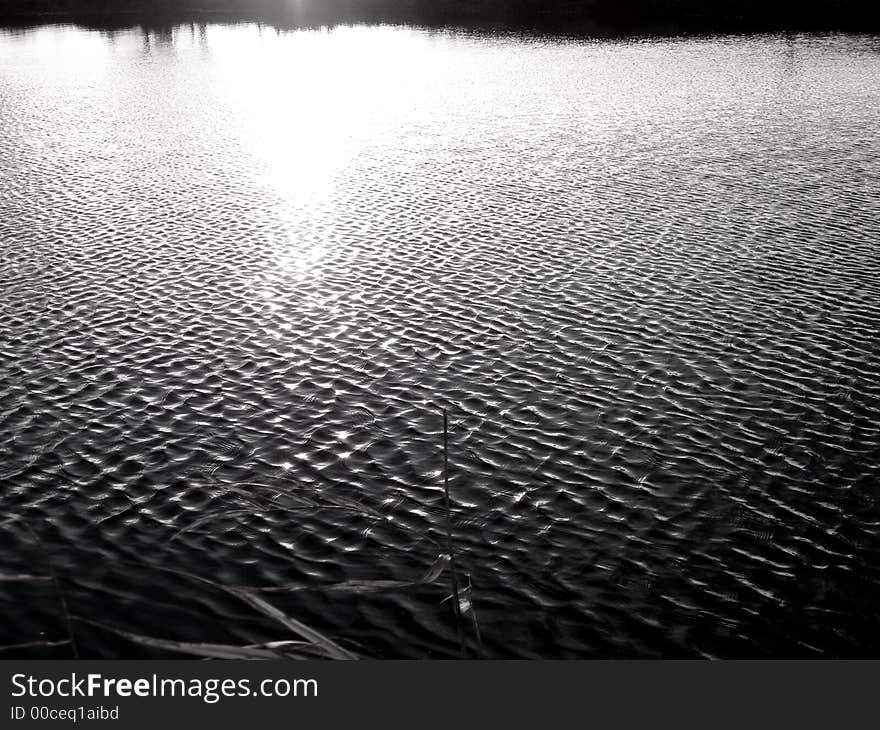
<point>35,645</point>
<point>209,651</point>
<point>350,587</point>
<point>331,648</point>
<point>473,613</point>
<point>436,570</point>
<point>292,649</point>
<point>358,586</point>
<point>53,577</point>
<point>449,547</point>
<point>266,510</point>
<point>21,578</point>
<point>219,514</point>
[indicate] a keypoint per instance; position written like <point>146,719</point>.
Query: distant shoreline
<point>601,17</point>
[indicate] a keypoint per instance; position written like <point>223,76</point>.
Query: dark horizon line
<point>603,17</point>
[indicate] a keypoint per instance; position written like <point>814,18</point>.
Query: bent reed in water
<point>308,643</point>
<point>588,15</point>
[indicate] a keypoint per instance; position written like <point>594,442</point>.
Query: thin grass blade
<point>210,651</point>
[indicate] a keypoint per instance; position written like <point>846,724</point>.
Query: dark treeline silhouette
<point>858,15</point>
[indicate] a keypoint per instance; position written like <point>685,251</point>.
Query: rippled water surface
<point>644,277</point>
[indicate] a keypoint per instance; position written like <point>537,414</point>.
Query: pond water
<point>244,270</point>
